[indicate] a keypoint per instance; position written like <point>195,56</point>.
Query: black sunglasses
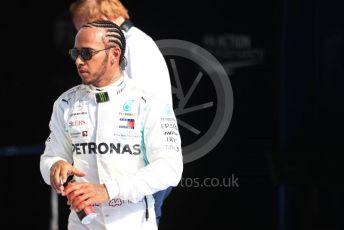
<point>85,53</point>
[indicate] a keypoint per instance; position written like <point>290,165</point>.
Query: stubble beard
<point>98,76</point>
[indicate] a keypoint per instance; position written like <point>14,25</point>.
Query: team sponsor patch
<point>126,114</point>
<point>169,126</point>
<point>122,85</point>
<point>102,97</point>
<point>172,147</point>
<point>105,148</point>
<point>79,105</point>
<point>127,135</point>
<point>126,123</point>
<point>77,123</point>
<point>168,119</point>
<point>171,133</point>
<point>75,134</point>
<point>78,113</point>
<point>128,105</point>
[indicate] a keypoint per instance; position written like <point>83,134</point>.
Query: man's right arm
<point>57,145</point>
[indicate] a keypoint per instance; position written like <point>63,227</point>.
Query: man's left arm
<point>162,153</point>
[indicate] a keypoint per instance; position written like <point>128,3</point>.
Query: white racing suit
<point>121,137</point>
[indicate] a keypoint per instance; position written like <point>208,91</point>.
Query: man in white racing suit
<point>151,73</point>
<point>120,143</point>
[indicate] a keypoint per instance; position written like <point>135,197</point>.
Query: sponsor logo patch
<point>127,123</point>
<point>128,105</point>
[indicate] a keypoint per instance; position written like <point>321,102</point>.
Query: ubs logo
<point>76,123</point>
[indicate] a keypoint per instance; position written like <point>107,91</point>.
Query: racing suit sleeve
<point>161,150</point>
<point>57,145</point>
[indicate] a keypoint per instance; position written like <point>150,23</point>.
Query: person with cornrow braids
<point>151,73</point>
<point>118,141</point>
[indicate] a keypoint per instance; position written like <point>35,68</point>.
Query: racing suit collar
<point>117,86</point>
<point>113,85</point>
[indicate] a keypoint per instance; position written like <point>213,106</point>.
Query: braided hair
<point>114,35</point>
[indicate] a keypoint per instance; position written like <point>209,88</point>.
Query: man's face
<point>95,71</point>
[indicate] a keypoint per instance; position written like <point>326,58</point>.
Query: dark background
<point>284,142</point>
